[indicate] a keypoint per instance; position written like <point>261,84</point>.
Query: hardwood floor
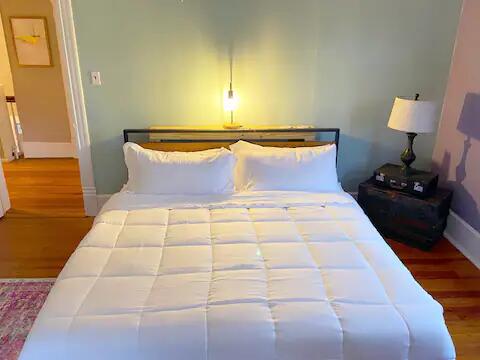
<point>44,188</point>
<point>38,247</point>
<point>47,222</point>
<point>454,282</point>
<point>47,219</point>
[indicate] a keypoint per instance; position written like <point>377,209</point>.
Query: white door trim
<point>67,42</point>
<point>32,149</point>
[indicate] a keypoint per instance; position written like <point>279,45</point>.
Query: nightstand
<point>418,222</point>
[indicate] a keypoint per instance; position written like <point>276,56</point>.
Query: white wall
<point>5,73</point>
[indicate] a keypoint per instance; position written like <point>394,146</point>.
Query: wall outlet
<point>95,78</point>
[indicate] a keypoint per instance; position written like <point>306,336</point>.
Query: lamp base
<point>231,126</point>
<point>408,156</point>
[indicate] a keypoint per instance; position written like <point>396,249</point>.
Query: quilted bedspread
<point>251,276</point>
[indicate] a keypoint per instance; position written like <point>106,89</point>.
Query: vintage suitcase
<point>418,222</point>
<point>415,182</point>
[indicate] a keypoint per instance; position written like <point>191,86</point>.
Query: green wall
<point>324,62</point>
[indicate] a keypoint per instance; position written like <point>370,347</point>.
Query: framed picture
<point>30,37</point>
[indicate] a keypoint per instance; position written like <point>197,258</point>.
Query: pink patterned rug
<point>20,302</point>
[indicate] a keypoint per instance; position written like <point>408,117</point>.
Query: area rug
<point>20,302</point>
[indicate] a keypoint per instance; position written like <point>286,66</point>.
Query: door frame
<point>72,78</point>
<point>4,199</point>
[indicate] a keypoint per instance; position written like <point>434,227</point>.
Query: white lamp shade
<point>413,116</point>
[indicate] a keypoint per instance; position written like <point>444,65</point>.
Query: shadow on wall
<point>469,125</point>
<point>352,170</point>
<point>117,174</point>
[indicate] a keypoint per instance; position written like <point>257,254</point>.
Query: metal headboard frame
<point>335,131</point>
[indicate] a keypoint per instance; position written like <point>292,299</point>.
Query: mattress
<point>264,275</point>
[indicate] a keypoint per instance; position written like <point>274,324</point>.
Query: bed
<point>253,275</point>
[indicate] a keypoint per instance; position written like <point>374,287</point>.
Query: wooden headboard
<point>196,139</point>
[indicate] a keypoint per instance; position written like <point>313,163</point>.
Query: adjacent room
<point>42,190</point>
<point>225,179</point>
<point>37,145</point>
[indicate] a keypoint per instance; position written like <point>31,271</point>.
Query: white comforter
<point>270,275</point>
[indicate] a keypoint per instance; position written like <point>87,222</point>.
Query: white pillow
<point>290,169</point>
<point>159,172</point>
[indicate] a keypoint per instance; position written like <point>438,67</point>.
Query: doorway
<point>37,137</point>
<point>46,219</point>
<point>10,129</point>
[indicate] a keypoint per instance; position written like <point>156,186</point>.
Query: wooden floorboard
<point>47,222</point>
<point>47,219</point>
<point>44,188</point>
<point>38,247</point>
<point>455,283</point>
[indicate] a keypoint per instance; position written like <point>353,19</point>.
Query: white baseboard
<point>90,201</point>
<point>464,237</point>
<point>93,202</point>
<point>48,150</point>
<point>102,199</point>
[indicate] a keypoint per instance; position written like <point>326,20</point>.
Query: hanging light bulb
<point>230,103</point>
<point>230,100</point>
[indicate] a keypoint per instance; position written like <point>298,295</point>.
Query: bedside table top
<point>396,171</point>
<point>439,196</point>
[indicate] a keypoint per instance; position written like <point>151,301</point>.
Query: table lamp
<point>412,116</point>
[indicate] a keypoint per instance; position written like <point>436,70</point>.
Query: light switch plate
<point>95,78</point>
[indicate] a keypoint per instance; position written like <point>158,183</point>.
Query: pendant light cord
<point>231,72</point>
<point>231,86</point>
